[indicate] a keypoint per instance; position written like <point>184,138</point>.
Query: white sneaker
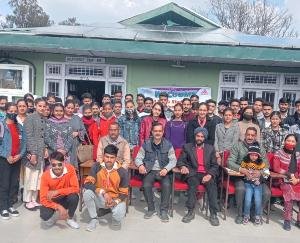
<point>5,214</point>
<point>92,225</point>
<point>13,212</point>
<point>73,224</point>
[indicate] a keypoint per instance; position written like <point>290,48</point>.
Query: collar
<point>115,167</point>
<point>53,176</point>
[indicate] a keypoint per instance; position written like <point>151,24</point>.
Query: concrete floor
<point>135,228</point>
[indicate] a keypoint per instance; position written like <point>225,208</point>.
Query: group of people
<point>39,140</point>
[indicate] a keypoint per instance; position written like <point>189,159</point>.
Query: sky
<point>111,11</point>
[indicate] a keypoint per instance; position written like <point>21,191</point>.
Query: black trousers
<point>211,190</point>
<point>166,188</point>
<point>69,202</point>
<point>9,182</point>
<point>240,195</point>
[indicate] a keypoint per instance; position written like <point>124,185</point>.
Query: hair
<point>50,95</point>
<point>291,135</point>
<point>277,113</point>
<point>69,102</point>
<point>70,97</point>
<point>163,94</point>
<point>58,100</point>
<point>148,98</point>
<point>140,95</point>
<point>251,129</point>
<point>186,99</point>
<point>194,96</point>
<point>243,98</point>
<point>203,103</point>
<point>76,101</point>
<point>248,160</point>
<point>259,99</point>
<point>21,100</point>
<point>111,149</point>
<point>177,105</point>
<point>58,105</point>
<point>254,119</point>
<point>114,124</point>
<point>108,104</point>
<point>297,102</point>
<point>129,101</point>
<point>156,124</point>
<point>3,97</point>
<point>228,109</point>
<point>162,114</point>
<point>211,101</point>
<point>106,95</point>
<point>284,100</point>
<point>86,96</point>
<point>29,101</point>
<point>95,104</point>
<point>9,104</point>
<point>118,92</point>
<point>86,107</point>
<point>56,155</point>
<point>267,104</point>
<point>131,95</point>
<point>117,102</point>
<point>38,100</point>
<point>26,96</point>
<point>234,100</point>
<point>195,106</point>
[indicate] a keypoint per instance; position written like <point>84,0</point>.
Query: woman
<point>248,119</point>
<point>157,115</point>
<point>12,149</point>
<point>22,111</point>
<point>96,111</point>
<point>47,112</point>
<point>287,162</point>
<point>273,136</point>
<point>58,132</point>
<point>130,124</point>
<point>78,130</point>
<point>227,133</point>
<point>34,126</point>
<point>175,130</point>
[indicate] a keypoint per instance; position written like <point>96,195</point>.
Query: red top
<point>202,123</point>
<point>200,159</point>
<point>15,139</point>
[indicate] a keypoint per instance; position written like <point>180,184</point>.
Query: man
<point>118,109</point>
<point>86,99</point>
<point>106,190</point>
<point>187,110</point>
<point>198,164</point>
<point>155,160</point>
<point>293,119</point>
<point>267,111</point>
<point>284,106</point>
<point>164,98</point>
<point>258,107</point>
<point>118,96</point>
<point>106,99</point>
<point>222,105</point>
<point>140,102</point>
<point>212,105</point>
<point>3,101</point>
<point>202,120</point>
<point>194,98</point>
<point>59,192</point>
<point>243,103</point>
<point>128,97</point>
<point>147,108</point>
<point>237,154</point>
<point>235,106</point>
<point>113,137</point>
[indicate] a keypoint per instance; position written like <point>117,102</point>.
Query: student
<point>194,98</point>
<point>51,99</point>
<point>117,109</point>
<point>248,119</point>
<point>3,101</point>
<point>140,102</point>
<point>22,111</point>
<point>258,107</point>
<point>187,115</point>
<point>128,97</point>
<point>96,110</point>
<point>255,168</point>
<point>163,99</point>
<point>147,108</point>
<point>235,106</point>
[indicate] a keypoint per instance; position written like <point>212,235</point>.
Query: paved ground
<point>27,228</point>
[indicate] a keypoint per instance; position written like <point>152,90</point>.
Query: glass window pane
<point>10,79</point>
<point>250,95</point>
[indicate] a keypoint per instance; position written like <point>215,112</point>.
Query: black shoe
<point>103,211</point>
<point>238,220</point>
<point>149,214</point>
<point>189,216</point>
<point>287,225</point>
<point>4,214</point>
<point>214,221</point>
<point>13,212</point>
<point>164,217</point>
<point>297,224</point>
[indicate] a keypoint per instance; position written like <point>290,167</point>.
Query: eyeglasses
<point>56,165</point>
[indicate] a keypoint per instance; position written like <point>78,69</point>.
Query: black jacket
<point>188,158</point>
<point>292,120</point>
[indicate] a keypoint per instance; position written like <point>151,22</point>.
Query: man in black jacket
<point>198,164</point>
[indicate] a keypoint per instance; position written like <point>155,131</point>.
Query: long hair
<point>162,114</point>
<point>254,119</point>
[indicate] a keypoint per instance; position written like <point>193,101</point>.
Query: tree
<point>253,17</point>
<point>70,21</point>
<point>3,23</point>
<point>27,13</point>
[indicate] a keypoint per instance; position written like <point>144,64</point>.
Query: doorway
<point>78,87</point>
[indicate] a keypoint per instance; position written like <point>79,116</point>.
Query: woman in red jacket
<point>157,115</point>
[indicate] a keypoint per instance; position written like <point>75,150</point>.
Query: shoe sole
<point>15,215</point>
<point>5,218</point>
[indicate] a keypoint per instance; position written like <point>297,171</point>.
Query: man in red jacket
<point>59,192</point>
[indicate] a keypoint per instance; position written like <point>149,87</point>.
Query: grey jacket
<point>225,139</point>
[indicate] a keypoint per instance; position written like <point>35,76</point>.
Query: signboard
<point>176,94</point>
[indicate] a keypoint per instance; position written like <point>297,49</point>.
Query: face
<point>69,109</point>
<point>128,97</point>
<point>156,110</point>
<point>12,110</point>
<point>157,132</point>
<point>249,112</point>
<point>187,105</point>
<point>267,110</point>
<point>228,117</point>
<point>57,167</point>
<point>117,108</point>
<point>178,112</point>
<point>250,136</point>
<point>96,110</point>
<point>283,107</point>
<point>47,111</point>
<point>118,96</point>
<point>87,113</point>
<point>275,121</point>
<point>243,104</point>
<point>298,108</point>
<point>113,132</point>
<point>51,100</point>
<point>109,160</point>
<point>22,108</point>
<point>194,100</point>
<point>30,105</point>
<point>107,110</point>
<point>221,108</point>
<point>130,105</point>
<point>202,111</point>
<point>257,106</point>
<point>148,104</point>
<point>2,104</point>
<point>58,112</point>
<point>40,107</point>
<point>163,100</point>
<point>211,108</point>
<point>291,141</point>
<point>140,101</point>
<point>253,156</point>
<point>235,106</point>
<point>106,100</point>
<point>87,101</point>
<point>199,138</point>
<point>76,109</point>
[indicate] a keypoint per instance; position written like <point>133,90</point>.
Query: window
<point>228,95</point>
<point>116,72</point>
<point>229,77</point>
<point>291,96</point>
<point>253,78</point>
<point>10,79</point>
<point>250,95</point>
<point>268,96</point>
<point>85,70</point>
<point>53,69</point>
<point>54,87</point>
<point>291,80</point>
<point>115,87</point>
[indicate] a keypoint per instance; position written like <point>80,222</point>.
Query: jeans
<point>256,191</point>
<point>94,202</point>
<point>211,189</point>
<point>69,202</point>
<point>166,188</point>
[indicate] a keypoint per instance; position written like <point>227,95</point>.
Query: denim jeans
<point>256,191</point>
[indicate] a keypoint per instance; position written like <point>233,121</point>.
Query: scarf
<point>58,121</point>
<point>87,121</point>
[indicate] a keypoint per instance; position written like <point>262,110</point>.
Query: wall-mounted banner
<point>176,94</point>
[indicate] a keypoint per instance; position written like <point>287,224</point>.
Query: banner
<point>176,94</point>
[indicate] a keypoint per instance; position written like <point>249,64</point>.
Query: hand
<point>206,178</point>
<point>108,200</point>
<point>219,160</point>
<point>142,170</point>
<point>163,172</point>
<point>294,180</point>
<point>75,134</point>
<point>10,159</point>
<point>51,194</point>
<point>63,213</point>
<point>245,172</point>
<point>46,154</point>
<point>184,170</point>
<point>256,173</point>
<point>16,158</point>
<point>33,159</point>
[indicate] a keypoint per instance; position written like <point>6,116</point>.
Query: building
<point>167,46</point>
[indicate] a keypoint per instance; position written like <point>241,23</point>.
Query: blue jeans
<point>251,190</point>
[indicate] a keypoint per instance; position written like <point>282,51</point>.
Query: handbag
<point>85,151</point>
